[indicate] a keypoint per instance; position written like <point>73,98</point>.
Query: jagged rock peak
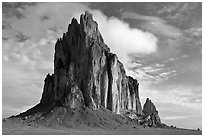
<point>86,23</point>
<point>87,17</point>
<point>87,20</point>
<point>86,31</point>
<point>149,110</point>
<point>149,107</point>
<point>90,27</point>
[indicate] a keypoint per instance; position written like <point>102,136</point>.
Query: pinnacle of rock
<point>149,110</point>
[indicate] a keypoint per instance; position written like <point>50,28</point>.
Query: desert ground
<point>63,121</point>
<point>90,123</point>
<point>15,129</point>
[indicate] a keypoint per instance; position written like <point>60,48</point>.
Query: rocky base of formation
<point>60,116</point>
<point>87,76</point>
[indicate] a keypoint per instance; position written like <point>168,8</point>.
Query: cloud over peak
<point>124,40</point>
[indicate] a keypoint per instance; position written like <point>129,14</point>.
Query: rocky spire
<point>149,110</point>
<point>149,107</point>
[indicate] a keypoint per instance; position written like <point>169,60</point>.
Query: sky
<point>160,44</point>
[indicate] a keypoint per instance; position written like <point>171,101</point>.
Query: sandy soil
<point>20,129</point>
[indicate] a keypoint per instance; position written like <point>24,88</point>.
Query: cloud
<point>154,24</point>
<point>124,40</point>
<point>173,40</point>
<point>42,16</point>
<point>169,8</point>
<point>21,38</point>
<point>178,117</point>
<point>187,15</point>
<point>193,37</point>
<point>186,7</point>
<point>152,73</point>
<point>134,15</point>
<point>178,95</point>
<point>195,32</point>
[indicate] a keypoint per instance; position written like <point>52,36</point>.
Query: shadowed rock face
<point>87,74</point>
<point>148,107</point>
<point>149,110</point>
<point>48,91</point>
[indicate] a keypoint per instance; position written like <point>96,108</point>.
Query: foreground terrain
<point>16,129</point>
<point>101,122</point>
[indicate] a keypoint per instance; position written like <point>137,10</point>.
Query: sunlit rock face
<point>87,74</point>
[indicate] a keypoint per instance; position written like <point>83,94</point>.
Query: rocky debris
<point>83,59</point>
<point>150,115</point>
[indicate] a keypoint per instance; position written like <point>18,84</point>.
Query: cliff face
<point>87,74</point>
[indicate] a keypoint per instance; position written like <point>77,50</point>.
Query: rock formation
<point>87,74</point>
<point>88,77</point>
<point>150,114</point>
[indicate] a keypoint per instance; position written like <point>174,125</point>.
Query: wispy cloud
<point>169,8</point>
<point>34,14</point>
<point>154,24</point>
<point>181,96</point>
<point>179,117</point>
